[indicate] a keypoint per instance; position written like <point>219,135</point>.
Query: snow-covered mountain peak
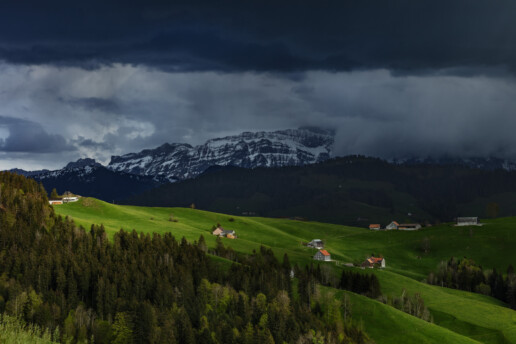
<point>249,149</point>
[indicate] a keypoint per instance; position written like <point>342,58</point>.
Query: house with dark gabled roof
<point>219,231</point>
<point>316,243</point>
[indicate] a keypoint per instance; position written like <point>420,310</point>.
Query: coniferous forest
<point>465,274</point>
<point>83,288</point>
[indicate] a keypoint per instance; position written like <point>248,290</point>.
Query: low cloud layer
<point>51,115</point>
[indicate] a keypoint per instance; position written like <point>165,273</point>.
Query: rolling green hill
<point>459,316</point>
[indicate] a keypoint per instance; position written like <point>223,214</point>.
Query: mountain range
<point>89,178</point>
<point>129,175</point>
<point>178,161</point>
<point>133,173</point>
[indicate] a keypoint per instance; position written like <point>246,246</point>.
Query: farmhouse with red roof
<point>322,255</point>
<point>371,262</point>
<point>392,225</point>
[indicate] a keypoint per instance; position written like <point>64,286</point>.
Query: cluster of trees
<point>366,284</point>
<point>14,330</point>
<point>465,274</point>
<point>141,288</point>
<point>413,305</point>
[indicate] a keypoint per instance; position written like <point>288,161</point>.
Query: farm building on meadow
<point>375,227</point>
<point>392,225</point>
<point>316,243</point>
<point>67,199</point>
<point>219,231</point>
<point>371,262</point>
<point>55,201</point>
<point>409,226</point>
<point>322,255</point>
<point>467,221</point>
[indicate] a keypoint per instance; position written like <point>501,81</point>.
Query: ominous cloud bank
<point>402,35</point>
<point>119,109</point>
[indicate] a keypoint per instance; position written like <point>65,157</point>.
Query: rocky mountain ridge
<point>178,161</point>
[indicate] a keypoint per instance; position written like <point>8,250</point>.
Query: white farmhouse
<point>467,221</point>
<point>392,225</point>
<point>409,226</point>
<point>316,243</point>
<point>322,255</point>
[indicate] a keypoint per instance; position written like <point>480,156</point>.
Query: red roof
<point>375,225</point>
<point>324,252</point>
<point>376,260</point>
<point>396,223</point>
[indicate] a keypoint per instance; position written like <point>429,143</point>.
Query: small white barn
<point>467,221</point>
<point>322,255</point>
<point>316,243</point>
<point>409,226</point>
<point>67,199</point>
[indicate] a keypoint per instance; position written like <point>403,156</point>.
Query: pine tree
<point>122,332</point>
<point>201,244</point>
<point>54,194</point>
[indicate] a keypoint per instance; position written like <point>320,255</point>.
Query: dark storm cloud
<point>404,35</point>
<point>121,109</point>
<point>92,145</point>
<point>30,137</point>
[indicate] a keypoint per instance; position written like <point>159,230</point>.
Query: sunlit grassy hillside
<point>478,317</point>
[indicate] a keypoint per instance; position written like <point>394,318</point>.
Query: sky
<point>395,79</point>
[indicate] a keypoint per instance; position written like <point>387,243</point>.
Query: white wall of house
<point>467,221</point>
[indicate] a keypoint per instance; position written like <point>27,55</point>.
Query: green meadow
<point>459,317</point>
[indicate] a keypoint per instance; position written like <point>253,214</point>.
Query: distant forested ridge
<point>352,190</point>
<point>139,288</point>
